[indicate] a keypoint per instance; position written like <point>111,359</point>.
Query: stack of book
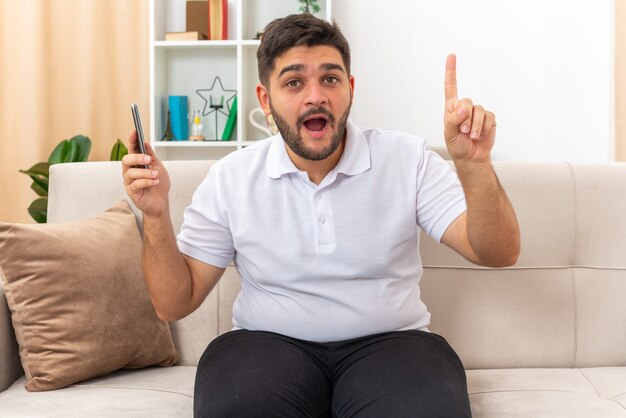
<point>206,19</point>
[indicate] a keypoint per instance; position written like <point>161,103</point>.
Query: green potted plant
<point>309,6</point>
<point>75,149</point>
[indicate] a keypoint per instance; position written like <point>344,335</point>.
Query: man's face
<point>309,95</point>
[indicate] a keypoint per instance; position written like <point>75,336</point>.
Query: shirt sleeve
<point>205,234</point>
<point>440,198</point>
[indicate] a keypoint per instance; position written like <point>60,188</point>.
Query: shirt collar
<point>354,160</point>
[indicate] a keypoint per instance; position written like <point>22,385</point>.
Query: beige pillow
<point>78,302</point>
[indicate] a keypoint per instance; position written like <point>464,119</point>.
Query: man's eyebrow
<point>300,67</point>
<point>330,67</point>
<point>293,67</point>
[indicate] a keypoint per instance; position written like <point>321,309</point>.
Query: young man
<point>321,222</point>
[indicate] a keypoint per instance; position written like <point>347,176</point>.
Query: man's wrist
<point>157,219</point>
<point>472,168</point>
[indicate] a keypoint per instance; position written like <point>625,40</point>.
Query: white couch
<point>545,338</point>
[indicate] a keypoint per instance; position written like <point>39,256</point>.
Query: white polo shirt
<point>325,262</point>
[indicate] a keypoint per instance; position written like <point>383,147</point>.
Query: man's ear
<point>263,96</point>
<point>351,79</point>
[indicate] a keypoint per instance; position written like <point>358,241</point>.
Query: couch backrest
<point>561,305</point>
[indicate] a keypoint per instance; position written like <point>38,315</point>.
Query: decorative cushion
<point>78,302</point>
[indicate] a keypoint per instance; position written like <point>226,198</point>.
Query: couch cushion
<point>152,392</point>
<point>502,393</point>
<point>600,273</point>
<point>78,302</point>
<point>524,318</point>
<point>555,393</point>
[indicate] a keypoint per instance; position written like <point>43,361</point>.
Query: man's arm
<point>177,284</point>
<point>488,233</point>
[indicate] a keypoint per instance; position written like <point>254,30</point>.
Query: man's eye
<point>293,83</point>
<point>332,80</point>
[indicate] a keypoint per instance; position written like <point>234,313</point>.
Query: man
<point>321,223</point>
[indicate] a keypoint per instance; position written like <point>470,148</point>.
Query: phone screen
<point>140,140</point>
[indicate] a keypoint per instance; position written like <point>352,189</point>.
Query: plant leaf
<point>39,174</point>
<point>55,155</point>
<point>72,150</point>
<point>118,151</point>
<point>38,210</point>
<point>38,189</point>
<point>39,169</point>
<point>83,148</point>
<point>60,152</point>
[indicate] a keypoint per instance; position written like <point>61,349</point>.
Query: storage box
<point>197,12</point>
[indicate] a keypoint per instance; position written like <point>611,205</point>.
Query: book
<point>185,36</point>
<point>230,123</point>
<point>196,17</point>
<point>218,19</point>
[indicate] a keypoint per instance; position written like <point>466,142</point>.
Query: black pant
<point>390,375</point>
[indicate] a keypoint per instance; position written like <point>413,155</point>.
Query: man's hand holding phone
<point>146,181</point>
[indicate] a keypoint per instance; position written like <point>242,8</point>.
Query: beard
<point>294,140</point>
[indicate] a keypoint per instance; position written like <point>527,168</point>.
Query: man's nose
<point>315,95</point>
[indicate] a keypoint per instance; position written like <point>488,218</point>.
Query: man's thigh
<point>260,374</point>
<point>399,374</point>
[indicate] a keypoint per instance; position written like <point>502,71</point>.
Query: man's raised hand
<point>469,129</point>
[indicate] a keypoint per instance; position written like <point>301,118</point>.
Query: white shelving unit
<point>182,67</point>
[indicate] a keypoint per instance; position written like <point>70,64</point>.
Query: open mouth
<point>316,123</point>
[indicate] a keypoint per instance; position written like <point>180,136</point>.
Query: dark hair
<point>297,30</point>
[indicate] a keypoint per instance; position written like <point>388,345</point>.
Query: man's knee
<point>261,394</point>
<point>253,374</point>
<point>405,375</point>
<point>244,402</point>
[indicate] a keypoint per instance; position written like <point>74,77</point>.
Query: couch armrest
<point>10,365</point>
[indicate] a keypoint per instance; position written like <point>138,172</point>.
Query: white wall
<point>544,67</point>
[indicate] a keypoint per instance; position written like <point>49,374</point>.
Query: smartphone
<point>140,140</point>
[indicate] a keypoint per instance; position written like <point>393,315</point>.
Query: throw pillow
<point>78,302</point>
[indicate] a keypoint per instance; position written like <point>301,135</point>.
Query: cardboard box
<point>197,12</point>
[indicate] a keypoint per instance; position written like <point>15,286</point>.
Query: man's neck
<point>317,170</point>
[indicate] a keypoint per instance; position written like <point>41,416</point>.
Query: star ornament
<point>215,96</point>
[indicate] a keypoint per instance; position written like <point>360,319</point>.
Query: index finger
<point>451,78</point>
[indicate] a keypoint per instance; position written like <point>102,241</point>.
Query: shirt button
<point>322,220</point>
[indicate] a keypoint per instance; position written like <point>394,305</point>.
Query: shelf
<point>251,42</point>
<point>193,44</point>
<point>189,68</point>
<point>193,144</point>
